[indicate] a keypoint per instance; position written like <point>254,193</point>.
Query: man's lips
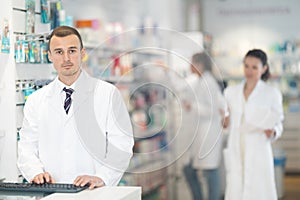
<point>67,66</point>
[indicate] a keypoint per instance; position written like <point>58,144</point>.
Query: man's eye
<point>72,51</point>
<point>59,52</point>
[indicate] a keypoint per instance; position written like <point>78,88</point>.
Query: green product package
<point>30,16</point>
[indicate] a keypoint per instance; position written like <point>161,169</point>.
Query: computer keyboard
<point>46,188</point>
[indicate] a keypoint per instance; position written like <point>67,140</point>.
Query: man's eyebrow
<point>60,49</point>
<point>57,49</point>
<point>73,47</point>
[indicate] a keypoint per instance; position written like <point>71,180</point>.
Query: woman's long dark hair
<point>262,56</point>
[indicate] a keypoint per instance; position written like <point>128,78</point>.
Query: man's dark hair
<point>63,31</point>
<point>204,59</point>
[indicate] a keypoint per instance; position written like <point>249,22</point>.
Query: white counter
<point>103,193</point>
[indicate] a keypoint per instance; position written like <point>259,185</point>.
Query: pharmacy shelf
<point>149,134</point>
<point>147,51</point>
<point>118,79</point>
<point>151,164</point>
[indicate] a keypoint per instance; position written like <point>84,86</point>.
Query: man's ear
<point>83,54</point>
<point>49,56</point>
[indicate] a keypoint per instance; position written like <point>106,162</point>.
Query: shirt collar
<point>60,85</point>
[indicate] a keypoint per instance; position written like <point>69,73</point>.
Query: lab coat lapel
<point>83,90</point>
<point>255,92</point>
<point>54,98</point>
<point>238,105</point>
<point>240,96</point>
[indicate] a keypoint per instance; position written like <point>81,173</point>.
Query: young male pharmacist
<point>76,129</point>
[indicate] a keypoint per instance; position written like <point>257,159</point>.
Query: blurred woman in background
<point>256,116</point>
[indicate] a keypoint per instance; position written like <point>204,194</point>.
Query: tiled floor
<point>292,187</point>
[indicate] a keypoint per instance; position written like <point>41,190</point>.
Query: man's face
<point>66,55</point>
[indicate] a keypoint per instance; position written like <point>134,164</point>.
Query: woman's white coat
<point>253,178</point>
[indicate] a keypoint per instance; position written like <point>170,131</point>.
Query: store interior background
<point>233,27</point>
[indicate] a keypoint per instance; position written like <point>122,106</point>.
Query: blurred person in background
<point>256,116</point>
<point>206,149</point>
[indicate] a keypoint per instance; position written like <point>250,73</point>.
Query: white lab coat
<point>207,103</point>
<point>95,138</point>
<point>253,178</point>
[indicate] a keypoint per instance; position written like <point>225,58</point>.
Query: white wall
<point>8,135</point>
<point>166,13</point>
<point>238,25</point>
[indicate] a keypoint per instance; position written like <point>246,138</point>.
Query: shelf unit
<point>290,139</point>
<point>27,73</point>
<point>148,104</point>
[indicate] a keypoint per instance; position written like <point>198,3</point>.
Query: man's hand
<point>43,178</point>
<point>92,181</point>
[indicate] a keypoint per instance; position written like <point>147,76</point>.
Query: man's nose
<point>66,56</point>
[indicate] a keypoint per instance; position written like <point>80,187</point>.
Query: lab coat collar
<point>53,94</point>
<point>82,81</point>
<point>255,90</point>
<point>82,87</point>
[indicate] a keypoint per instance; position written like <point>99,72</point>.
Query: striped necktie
<point>68,99</point>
